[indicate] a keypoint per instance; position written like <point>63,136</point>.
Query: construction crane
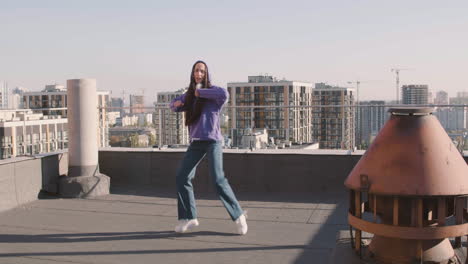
<point>397,72</point>
<point>359,124</point>
<point>357,89</point>
<point>358,82</point>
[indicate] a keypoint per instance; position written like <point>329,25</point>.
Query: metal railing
<point>348,127</point>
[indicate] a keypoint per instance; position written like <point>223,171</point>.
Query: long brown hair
<point>193,113</point>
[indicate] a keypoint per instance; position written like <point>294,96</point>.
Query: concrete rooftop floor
<point>135,225</point>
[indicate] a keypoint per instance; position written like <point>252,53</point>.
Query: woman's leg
<point>215,163</point>
<point>185,199</point>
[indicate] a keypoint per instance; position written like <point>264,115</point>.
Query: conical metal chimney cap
<point>411,156</point>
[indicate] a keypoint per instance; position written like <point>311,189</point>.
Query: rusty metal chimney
<point>409,190</point>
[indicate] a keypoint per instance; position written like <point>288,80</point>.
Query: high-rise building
<point>415,94</point>
<point>4,95</point>
<point>137,104</point>
<point>333,117</point>
<point>441,98</point>
<point>55,96</point>
<point>430,97</point>
<point>170,126</point>
<point>281,123</point>
<point>372,118</point>
<point>453,118</point>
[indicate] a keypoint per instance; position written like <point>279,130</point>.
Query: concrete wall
<point>20,182</point>
<point>22,178</point>
<point>247,172</point>
<point>52,166</point>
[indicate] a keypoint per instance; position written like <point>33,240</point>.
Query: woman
<point>202,103</point>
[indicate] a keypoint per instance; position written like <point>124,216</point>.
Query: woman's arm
<point>219,94</point>
<point>178,104</point>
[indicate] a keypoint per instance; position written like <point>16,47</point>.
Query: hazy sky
<point>151,45</point>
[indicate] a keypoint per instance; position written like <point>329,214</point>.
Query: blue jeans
<point>186,172</point>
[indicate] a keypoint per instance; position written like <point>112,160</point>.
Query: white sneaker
<point>241,223</point>
<point>185,225</point>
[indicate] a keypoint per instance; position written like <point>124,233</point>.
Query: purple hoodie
<point>207,125</point>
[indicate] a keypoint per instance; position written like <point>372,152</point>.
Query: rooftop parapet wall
<point>268,171</point>
<point>20,182</point>
<point>246,172</point>
<point>21,179</point>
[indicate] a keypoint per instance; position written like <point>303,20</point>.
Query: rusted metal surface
<point>459,208</point>
<point>358,213</point>
<point>395,211</point>
<point>441,211</point>
<point>412,155</point>
<point>408,232</point>
<point>402,251</point>
<point>410,180</point>
<point>374,208</point>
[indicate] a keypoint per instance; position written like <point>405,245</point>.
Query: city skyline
<point>152,46</point>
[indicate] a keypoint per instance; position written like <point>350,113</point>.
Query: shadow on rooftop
<point>98,237</point>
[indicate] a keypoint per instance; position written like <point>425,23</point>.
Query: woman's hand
<point>178,103</point>
<point>197,93</point>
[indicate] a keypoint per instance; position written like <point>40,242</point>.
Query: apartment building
<point>137,104</point>
<point>55,96</point>
<point>281,122</point>
<point>453,118</point>
<point>373,115</point>
<point>415,94</point>
<point>4,95</point>
<point>170,126</point>
<point>333,124</point>
<point>23,132</point>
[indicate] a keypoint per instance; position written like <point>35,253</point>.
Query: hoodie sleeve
<point>180,108</point>
<point>218,94</point>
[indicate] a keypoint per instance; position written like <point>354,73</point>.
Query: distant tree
<point>152,139</point>
<point>363,146</point>
<point>116,141</point>
<point>133,140</point>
